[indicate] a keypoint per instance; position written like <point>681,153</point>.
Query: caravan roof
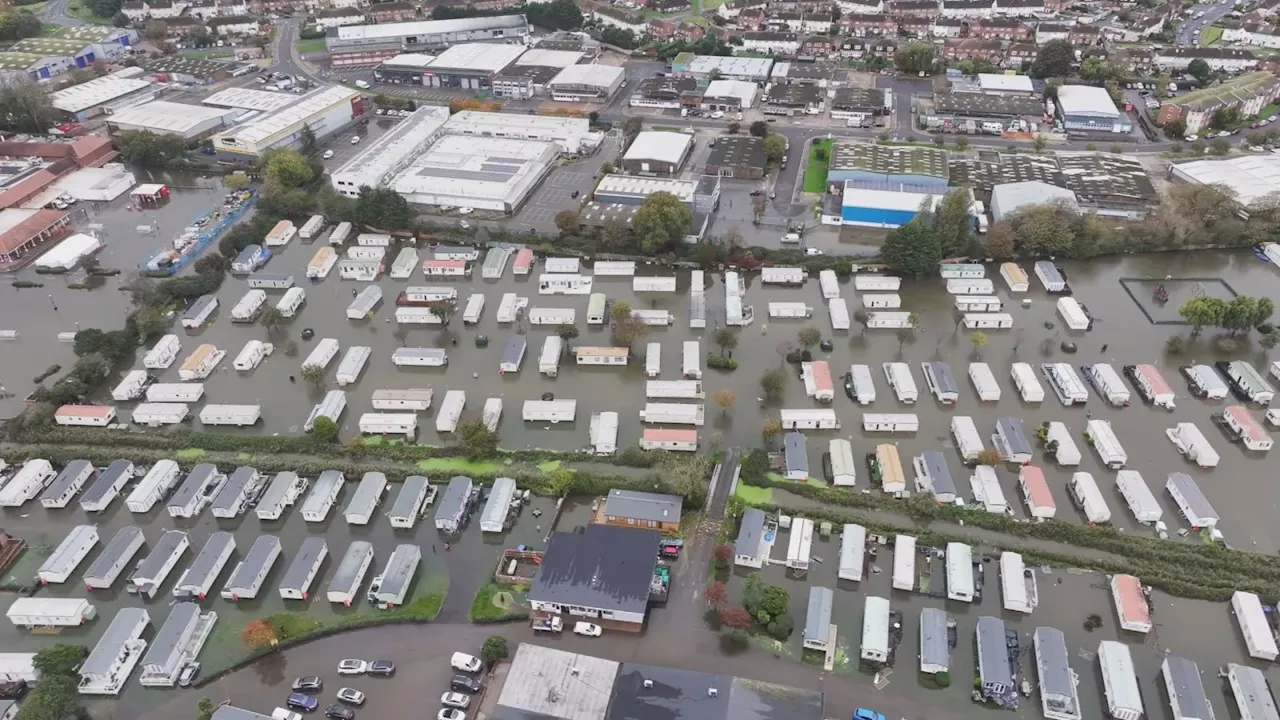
<point>993,656</point>
<point>817,622</point>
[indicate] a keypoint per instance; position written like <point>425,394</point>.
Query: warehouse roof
<point>892,200</point>
<point>992,82</point>
<point>728,65</point>
<point>979,105</point>
<point>794,95</point>
<point>1237,89</point>
<point>87,33</point>
<point>409,60</point>
<point>19,60</point>
<point>738,151</point>
<point>889,159</point>
<point>249,99</point>
<point>1008,197</point>
<point>649,692</point>
<point>593,75</point>
<point>744,91</point>
<point>429,27</point>
<point>96,92</point>
<point>168,116</point>
<point>1105,179</point>
<point>480,167</point>
<point>1086,100</point>
<point>261,128</point>
<point>196,67</point>
<point>804,70</point>
<point>1249,178</point>
<point>853,98</point>
<point>477,57</point>
<point>550,58</point>
<point>659,145</point>
<point>668,87</point>
<point>48,46</point>
<point>548,683</point>
<point>597,214</point>
<point>395,148</point>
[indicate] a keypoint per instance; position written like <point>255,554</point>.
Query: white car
<point>352,667</point>
<point>465,662</point>
<point>588,629</point>
<point>812,251</point>
<point>355,139</point>
<point>450,714</point>
<point>455,700</point>
<point>465,211</point>
<point>328,154</point>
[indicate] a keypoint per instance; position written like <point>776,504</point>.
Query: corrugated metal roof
<point>170,638</point>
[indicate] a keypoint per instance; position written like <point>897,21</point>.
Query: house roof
<point>750,531</point>
<point>643,506</point>
<point>603,568</point>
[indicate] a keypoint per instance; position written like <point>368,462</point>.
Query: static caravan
<point>985,486</point>
<point>199,311</point>
<point>887,469</point>
<point>523,262</point>
<point>389,589</point>
<point>552,316</point>
<point>240,488</point>
<point>818,633</point>
<point>417,400</point>
<point>200,363</point>
<point>367,254</point>
<point>877,283</point>
<point>962,271</point>
<point>198,579</point>
<point>1104,441</point>
<point>698,311</point>
<point>323,354</point>
<point>498,507</point>
<point>697,283</point>
<point>940,381</point>
<point>312,228</point>
<point>933,476</point>
<point>875,630</point>
<point>425,295</point>
<point>324,493</point>
<point>175,392</point>
<point>904,562</point>
<point>1191,501</point>
<point>119,552</point>
<point>1241,424</point>
<point>281,234</point>
<point>809,419</point>
<point>332,407</point>
<point>1249,684</point>
<point>603,433</point>
<point>270,281</point>
<point>296,583</point>
<point>131,387</point>
<point>750,548</point>
<point>844,471</point>
<point>85,415</point>
<point>283,491</point>
<point>601,355</point>
<point>250,258</point>
<point>1193,445</point>
<point>890,422</point>
<point>1247,383</point>
<point>340,234</point>
<point>238,415</point>
<point>1185,689</point>
<point>736,312</point>
<point>47,613</point>
<point>360,270</point>
<point>614,268</point>
<point>473,309</point>
<point>799,544</point>
<point>567,284</point>
<point>1066,384</point>
<point>402,267</point>
<point>960,585</point>
<point>973,286</point>
<point>1073,314</point>
<point>408,505</point>
<point>365,303</point>
<point>452,511</point>
<point>789,310</point>
<point>151,573</point>
<point>653,359</point>
<point>420,357</point>
<point>455,252</point>
<point>251,354</point>
<point>1151,385</point>
<point>817,380</point>
<point>1036,493</point>
<point>1142,503</point>
<point>795,457</point>
<point>1059,442</point>
<point>830,284</point>
<point>935,646</point>
<point>782,276</point>
<point>644,284</point>
<point>552,411</point>
<point>450,411</point>
<point>107,486</point>
<point>968,440</point>
<point>691,360</point>
<point>36,474</point>
<point>73,549</point>
<point>549,358</point>
<point>563,265</point>
<point>1119,681</point>
<point>987,321</point>
<point>1015,277</point>
<point>1058,697</point>
<point>1085,494</point>
<point>859,384</point>
<point>674,389</point>
<point>984,382</point>
<point>68,482</point>
<point>353,363</point>
<point>1254,626</point>
<point>389,424</point>
<point>1205,383</point>
<point>108,666</point>
<point>1010,440</point>
<point>510,307</point>
<point>157,414</point>
<point>1108,384</point>
<point>1029,387</point>
<point>366,499</point>
<point>491,413</point>
<point>839,313</point>
<point>321,263</point>
<point>853,552</point>
<point>1016,584</point>
<point>668,413</point>
<point>1051,277</point>
<point>512,354</point>
<point>345,586</point>
<point>596,309</point>
<point>669,439</point>
<point>978,304</point>
<point>881,301</point>
<point>898,374</point>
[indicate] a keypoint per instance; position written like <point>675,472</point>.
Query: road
<point>1189,33</point>
<point>56,12</point>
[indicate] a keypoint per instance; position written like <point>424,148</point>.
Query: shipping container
<point>345,586</point>
<point>789,310</point>
<point>1193,445</point>
<point>251,354</point>
<point>201,362</point>
<point>974,286</point>
<point>1119,681</point>
<point>1205,383</point>
<point>568,284</point>
<point>932,476</point>
<point>1028,385</point>
<point>74,475</point>
<point>1073,314</point>
<point>603,433</point>
<point>889,320</point>
<point>45,612</point>
<point>131,387</point>
<point>552,411</point>
<point>1015,277</point>
<point>1191,501</point>
<point>365,303</point>
<point>241,487</point>
<point>844,471</point>
<point>331,407</point>
<point>409,503</point>
<point>389,424</point>
<point>1036,493</point>
<point>1255,626</point>
<point>323,354</point>
<point>523,262</point>
<point>321,263</point>
<point>450,411</point>
<point>512,354</point>
<point>898,374</point>
<point>1246,382</point>
<point>669,439</point>
<point>302,571</point>
<point>389,589</point>
<point>64,560</point>
<point>877,283</point>
<point>674,390</point>
<point>987,321</point>
<point>904,562</point>
<point>452,512</point>
<point>175,392</point>
<point>859,384</point>
<point>118,554</point>
<point>1051,277</point>
<point>199,311</point>
<point>645,283</point>
<point>31,480</point>
<point>1017,585</point>
<point>353,364</point>
<point>962,271</point>
<point>985,486</point>
<point>1066,384</point>
<point>366,499</point>
<point>614,268</point>
<point>960,585</point>
<point>1142,503</point>
<point>830,284</point>
<point>853,552</point>
<point>150,574</point>
<point>104,489</point>
<point>978,304</point>
<point>809,419</point>
<point>839,313</point>
<point>493,518</point>
<point>283,491</point>
<point>940,381</point>
<point>672,413</point>
<point>1108,384</point>
<point>799,544</point>
<point>473,310</point>
<point>402,267</point>
<point>968,440</point>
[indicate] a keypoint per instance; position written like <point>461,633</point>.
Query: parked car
<point>311,683</point>
<point>574,194</point>
<point>465,683</point>
<point>328,154</point>
<point>352,667</point>
<point>465,662</point>
<point>382,667</point>
<point>450,714</point>
<point>339,712</point>
<point>588,629</point>
<point>355,139</point>
<point>351,696</point>
<point>305,703</point>
<point>188,674</point>
<point>455,700</point>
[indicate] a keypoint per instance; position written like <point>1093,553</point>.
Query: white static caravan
<point>131,387</point>
<point>426,294</point>
<point>830,284</point>
<point>839,313</point>
<point>556,265</point>
<point>1015,277</point>
<point>283,491</point>
<point>154,486</point>
<point>73,549</point>
<point>367,254</point>
<point>109,665</point>
<point>420,357</point>
<point>157,414</point>
<point>415,492</point>
<point>312,228</point>
<point>1036,493</point>
<point>564,284</point>
<point>933,477</point>
<point>984,382</point>
<point>99,496</point>
<point>698,311</point>
<point>1142,503</point>
<point>697,283</point>
<point>987,321</point>
<point>1242,425</point>
<point>251,354</point>
<point>321,263</point>
<point>1193,445</point>
<point>201,362</point>
<point>389,424</point>
<point>365,303</point>
<point>1151,385</point>
<point>549,358</point>
<point>332,407</point>
<point>414,399</point>
<point>455,252</point>
<point>644,283</point>
<point>340,234</point>
<point>809,419</point>
<point>898,374</point>
<point>601,355</point>
<point>175,392</point>
<point>691,360</point>
<point>450,411</point>
<point>1108,383</point>
<point>596,305</point>
<point>297,579</point>
<point>1248,383</point>
<point>491,413</point>
<point>1191,501</point>
<point>510,307</point>
<point>241,486</point>
<point>1103,439</point>
<point>552,316</point>
<point>1130,600</point>
<point>345,586</point>
<point>1014,583</point>
<point>118,553</point>
<point>817,380</point>
<point>904,562</point>
<point>978,304</point>
<point>1254,627</point>
<point>323,354</point>
<point>163,352</point>
<point>875,630</point>
<point>789,310</point>
<point>552,411</point>
<point>844,471</point>
<point>603,433</point>
<point>250,258</point>
<point>674,390</point>
<point>512,354</point>
<point>888,469</point>
<point>800,544</point>
<point>45,612</point>
<point>36,474</point>
<point>985,486</point>
<point>736,312</point>
<point>473,309</point>
<point>782,276</point>
<point>154,569</point>
<point>859,384</point>
<point>1205,382</point>
<point>1066,384</point>
<point>891,320</point>
<point>199,311</point>
<point>1086,495</point>
<point>1028,385</point>
<point>673,413</point>
<point>493,518</point>
<point>962,271</point>
<point>324,493</point>
<point>353,363</point>
<point>653,318</point>
<point>389,589</point>
<point>614,268</point>
<point>959,572</point>
<point>402,267</point>
<point>1119,681</point>
<point>523,262</point>
<point>1051,277</point>
<point>669,439</point>
<point>281,234</point>
<point>890,422</point>
<point>1073,314</point>
<point>881,301</point>
<point>974,286</point>
<point>940,381</point>
<point>877,283</point>
<point>360,270</point>
<point>968,440</point>
<point>68,482</point>
<point>853,552</point>
<point>653,359</point>
<point>366,499</point>
<point>1065,451</point>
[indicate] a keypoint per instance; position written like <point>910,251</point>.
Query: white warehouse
<point>383,158</point>
<point>485,173</point>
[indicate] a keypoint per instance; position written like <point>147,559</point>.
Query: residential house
<point>785,21</point>
<point>750,19</point>
<point>1047,32</point>
<point>237,7</point>
<point>690,31</point>
<point>1137,60</point>
<point>771,43</point>
<point>862,25</point>
<point>817,47</point>
<point>1260,34</point>
<point>999,28</point>
<point>270,7</point>
<point>667,5</point>
<point>947,27</point>
<point>1228,59</point>
<point>861,7</point>
<point>1019,8</point>
<point>925,8</point>
<point>973,49</point>
<point>1019,54</point>
<point>1149,25</point>
<point>181,26</point>
<point>203,9</point>
<point>1084,35</point>
<point>915,26</point>
<point>621,19</point>
<point>338,17</point>
<point>393,12</point>
<point>235,26</point>
<point>644,510</point>
<point>660,29</point>
<point>1247,93</point>
<point>968,9</point>
<point>733,8</point>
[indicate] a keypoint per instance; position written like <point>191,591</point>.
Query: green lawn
<point>209,53</point>
<point>314,45</point>
<point>1211,35</point>
<point>753,495</point>
<point>815,173</point>
<point>458,464</point>
<point>706,5</point>
<point>85,14</point>
<point>190,454</point>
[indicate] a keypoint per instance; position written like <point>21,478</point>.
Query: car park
<point>350,696</point>
<point>455,700</point>
<point>465,662</point>
<point>339,712</point>
<point>465,683</point>
<point>310,683</point>
<point>451,714</point>
<point>588,629</point>
<point>305,703</point>
<point>382,667</point>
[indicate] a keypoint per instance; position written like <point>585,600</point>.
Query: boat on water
<point>199,235</point>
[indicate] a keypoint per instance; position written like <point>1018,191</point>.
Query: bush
<point>781,627</point>
<point>48,373</point>
<point>717,362</point>
<point>734,641</point>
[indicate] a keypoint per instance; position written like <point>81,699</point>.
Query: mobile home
<point>154,569</point>
<point>510,307</point>
<point>736,312</point>
<point>331,407</point>
<point>601,355</point>
<point>1015,277</point>
<point>1058,697</point>
<point>104,489</point>
<point>789,310</point>
<point>653,359</point>
<point>875,630</point>
<point>199,311</point>
<point>853,552</point>
<point>960,585</point>
<point>844,471</point>
<point>45,613</point>
<point>1085,494</point>
<point>493,518</point>
<point>389,424</point>
<point>523,262</point>
<point>795,457</point>
<point>1205,383</point>
<point>552,411</point>
<point>417,400</point>
<point>366,499</point>
<point>940,381</point>
<point>614,268</point>
<point>360,270</point>
<point>674,389</point>
<point>85,415</point>
<point>367,253</point>
<point>935,647</point>
<point>73,549</point>
<point>269,281</point>
<point>249,574</point>
<point>340,234</point>
<point>890,422</point>
<point>1029,387</point>
<point>668,413</point>
<point>1119,681</point>
<point>830,284</point>
<point>283,491</point>
<point>389,589</point>
<point>818,631</point>
<point>425,295</point>
<point>34,476</point>
<point>904,562</point>
<point>1247,383</point>
<point>1141,501</point>
<point>1241,425</point>
<point>1151,385</point>
<point>364,304</point>
<point>198,579</point>
<point>1010,440</point>
<point>881,301</point>
<point>877,283</point>
<point>567,284</point>
<point>669,439</point>
<point>175,392</point>
<point>817,380</point>
<point>1017,585</point>
<point>978,304</point>
<point>809,419</point>
<point>1104,441</point>
<point>1036,493</point>
<point>1073,314</point>
<point>324,493</point>
<point>108,666</point>
<point>473,310</point>
<point>419,357</point>
<point>964,271</point>
<point>1065,383</point>
<point>887,469</point>
<point>987,321</point>
<point>1250,689</point>
<point>782,276</point>
<point>402,267</point>
<point>512,354</point>
<point>450,411</point>
<point>970,286</point>
<point>556,265</point>
<point>312,228</point>
<point>408,505</point>
<point>691,360</point>
<point>968,440</point>
<point>984,382</point>
<point>1193,445</point>
<point>603,433</point>
<point>296,583</point>
<point>345,586</point>
<point>799,544</point>
<point>321,263</point>
<point>240,488</point>
<point>1108,384</point>
<point>1191,501</point>
<point>839,313</point>
<point>1254,625</point>
<point>1061,444</point>
<point>250,258</point>
<point>1051,277</point>
<point>859,384</point>
<point>898,374</point>
<point>596,312</point>
<point>1185,689</point>
<point>238,415</point>
<point>644,283</point>
<point>353,363</point>
<point>552,316</point>
<point>932,476</point>
<point>985,486</point>
<point>68,482</point>
<point>281,234</point>
<point>157,414</point>
<point>452,511</point>
<point>200,363</point>
<point>251,354</point>
<point>131,387</point>
<point>455,252</point>
<point>549,358</point>
<point>323,354</point>
<point>491,413</point>
<point>119,552</point>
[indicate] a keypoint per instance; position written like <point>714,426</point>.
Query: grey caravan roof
<point>400,568</point>
<point>119,545</point>
<point>943,378</point>
<point>298,571</point>
<point>1056,680</point>
<point>499,502</point>
<point>102,659</point>
<point>248,253</point>
<point>345,577</point>
<point>643,506</point>
<point>66,478</point>
<point>993,658</point>
<point>939,473</point>
<point>1049,271</point>
<point>1192,495</point>
<point>1254,694</point>
<point>698,308</point>
<point>108,477</point>
<point>818,619</point>
<point>209,560</point>
<point>61,554</point>
<point>1014,434</point>
<point>164,548</point>
<point>1184,676</point>
<point>198,307</point>
<point>934,647</point>
<point>513,351</point>
<point>170,638</point>
<point>795,451</point>
<point>750,532</point>
<point>365,498</point>
<point>322,488</point>
<point>279,487</point>
<point>192,484</point>
<point>233,488</point>
<point>455,497</point>
<point>259,554</point>
<point>406,502</point>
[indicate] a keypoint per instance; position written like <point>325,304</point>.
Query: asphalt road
<point>1189,33</point>
<point>56,12</point>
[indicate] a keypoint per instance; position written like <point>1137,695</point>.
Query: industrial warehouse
<point>325,112</point>
<point>356,45</point>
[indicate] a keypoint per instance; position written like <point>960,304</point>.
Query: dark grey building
<point>737,156</point>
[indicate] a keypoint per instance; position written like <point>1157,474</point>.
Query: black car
<point>381,667</point>
<point>339,712</point>
<point>574,194</point>
<point>465,683</point>
<point>308,684</point>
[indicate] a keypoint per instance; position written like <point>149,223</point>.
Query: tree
<point>732,237</point>
<point>998,244</point>
<point>759,128</point>
<point>1095,69</point>
<point>862,317</point>
<point>312,374</point>
<point>912,249</point>
<point>628,331</point>
<point>568,222</point>
<point>661,221</point>
<point>155,30</point>
<point>1042,230</point>
<point>763,600</point>
<point>1200,70</point>
<point>270,319</point>
<point>1227,117</point>
<point>1238,316</point>
<point>443,309</point>
<point>277,200</point>
<point>494,650</point>
<point>809,337</point>
<point>772,428</point>
<point>915,58</point>
<point>206,708</point>
<point>726,338</point>
<point>1054,59</point>
<point>60,660</point>
<point>614,233</point>
<point>1201,312</point>
<point>631,127</point>
<point>978,340</point>
<point>772,383</point>
<point>18,25</point>
<point>721,555</point>
<point>121,20</point>
<point>382,208</point>
<point>1268,341</point>
<point>715,593</point>
<point>962,143</point>
<point>989,456</point>
<point>258,634</point>
<point>734,127</point>
<point>1219,146</point>
<point>620,310</point>
<point>323,429</point>
<point>149,321</point>
<point>1039,143</point>
<point>104,8</point>
<point>567,332</point>
<point>562,480</point>
<point>725,398</point>
<point>1175,129</point>
<point>477,441</point>
<point>149,150</point>
<point>953,221</point>
<point>736,618</point>
<point>55,698</point>
<point>775,146</point>
<point>557,15</point>
<point>287,167</point>
<point>1263,309</point>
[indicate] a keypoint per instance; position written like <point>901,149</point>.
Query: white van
<point>791,238</point>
